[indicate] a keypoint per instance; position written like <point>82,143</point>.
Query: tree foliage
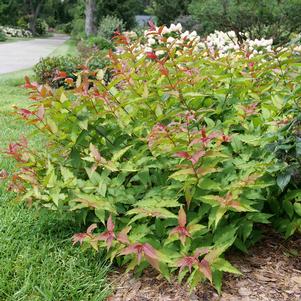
<point>275,19</point>
<point>166,11</point>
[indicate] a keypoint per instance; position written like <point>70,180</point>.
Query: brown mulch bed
<point>271,272</point>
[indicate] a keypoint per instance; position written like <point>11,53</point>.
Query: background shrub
<point>2,36</point>
<point>47,69</point>
<point>64,28</point>
<point>41,27</point>
<point>100,43</point>
<point>108,25</point>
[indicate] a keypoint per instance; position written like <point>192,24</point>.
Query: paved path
<point>24,54</point>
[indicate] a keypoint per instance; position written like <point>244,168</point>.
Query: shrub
<point>2,36</point>
<point>63,70</point>
<point>41,27</point>
<point>108,25</point>
<point>64,28</point>
<point>286,146</point>
<point>169,162</point>
<point>47,69</point>
<point>22,23</point>
<point>99,42</point>
<point>78,29</point>
<point>16,32</point>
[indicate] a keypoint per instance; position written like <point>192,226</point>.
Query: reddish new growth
<point>18,150</point>
<point>205,139</point>
<point>250,109</point>
<point>157,131</point>
<point>192,158</point>
<point>181,230</point>
<point>193,261</point>
<point>151,55</point>
<point>140,250</point>
<point>108,236</point>
<point>80,237</point>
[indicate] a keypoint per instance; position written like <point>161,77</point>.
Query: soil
<point>271,272</point>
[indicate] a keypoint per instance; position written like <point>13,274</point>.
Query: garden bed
<point>271,272</point>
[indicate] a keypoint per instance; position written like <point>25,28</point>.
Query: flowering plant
<point>15,32</point>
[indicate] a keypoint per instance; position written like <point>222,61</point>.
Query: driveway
<point>24,54</point>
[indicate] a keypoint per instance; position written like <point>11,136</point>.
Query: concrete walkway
<point>24,54</point>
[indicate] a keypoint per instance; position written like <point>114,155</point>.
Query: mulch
<point>271,272</point>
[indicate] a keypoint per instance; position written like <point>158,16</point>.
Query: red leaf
<point>204,267</point>
<point>110,224</point>
<point>225,138</point>
<point>151,55</point>
<point>164,71</point>
<point>24,113</point>
<point>28,84</point>
<point>187,261</point>
<point>196,157</point>
<point>60,75</point>
<point>140,250</point>
<point>150,251</point>
<point>79,237</point>
<point>152,25</point>
<point>184,155</point>
<point>91,228</point>
<point>41,113</point>
<point>122,236</point>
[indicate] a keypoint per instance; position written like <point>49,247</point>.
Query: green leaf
<point>289,208</point>
<point>297,207</point>
<point>52,125</point>
<point>120,153</point>
<point>283,180</point>
<point>225,266</point>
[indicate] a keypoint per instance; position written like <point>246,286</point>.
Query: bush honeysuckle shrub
<point>169,163</point>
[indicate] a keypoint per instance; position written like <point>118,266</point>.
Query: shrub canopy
<point>170,163</point>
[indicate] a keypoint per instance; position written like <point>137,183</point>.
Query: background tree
<point>33,9</point>
<point>275,19</point>
<point>167,11</point>
<point>90,10</point>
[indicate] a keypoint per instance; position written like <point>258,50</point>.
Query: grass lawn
<point>13,39</point>
<point>38,261</point>
<point>69,48</point>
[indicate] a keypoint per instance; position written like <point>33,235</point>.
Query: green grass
<point>37,259</point>
<point>68,48</point>
<point>13,39</point>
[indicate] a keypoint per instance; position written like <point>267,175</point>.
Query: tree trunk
<point>34,13</point>
<point>90,27</point>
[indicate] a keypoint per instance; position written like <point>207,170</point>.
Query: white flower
<point>151,41</point>
<point>159,52</point>
<point>179,27</point>
<point>170,40</point>
<point>193,34</point>
<point>173,27</point>
<point>148,49</point>
<point>165,30</point>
